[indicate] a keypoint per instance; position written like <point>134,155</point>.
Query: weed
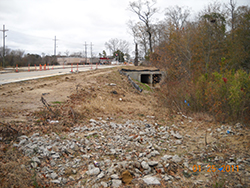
<point>128,150</point>
<point>57,102</point>
<point>84,181</point>
<point>35,149</point>
<point>196,173</point>
<point>186,174</point>
<point>35,184</point>
<point>219,184</point>
<point>146,87</point>
<point>64,137</point>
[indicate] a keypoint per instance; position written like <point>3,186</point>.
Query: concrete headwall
<point>145,76</point>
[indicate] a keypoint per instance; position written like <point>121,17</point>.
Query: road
<point>30,75</point>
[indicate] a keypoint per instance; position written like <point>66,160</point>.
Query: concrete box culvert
<point>145,78</point>
<point>157,78</point>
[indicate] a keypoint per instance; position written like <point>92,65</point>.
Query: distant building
<point>82,60</point>
<point>106,60</point>
<point>95,60</point>
<point>72,60</point>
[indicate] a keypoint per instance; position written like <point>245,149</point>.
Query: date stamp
<point>212,168</point>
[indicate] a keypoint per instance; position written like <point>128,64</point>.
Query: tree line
<point>219,30</point>
<point>206,58</point>
<point>118,49</point>
<point>20,58</point>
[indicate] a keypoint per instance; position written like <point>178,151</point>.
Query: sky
<point>33,24</point>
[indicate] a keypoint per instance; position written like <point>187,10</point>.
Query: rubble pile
<point>103,153</point>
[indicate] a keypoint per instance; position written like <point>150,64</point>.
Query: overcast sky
<point>33,24</point>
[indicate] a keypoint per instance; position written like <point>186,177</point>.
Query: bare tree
<point>140,36</point>
<point>145,10</point>
<point>160,33</point>
<point>116,44</point>
<point>67,53</point>
<point>76,54</point>
<point>132,28</point>
<point>177,16</point>
<point>112,45</point>
<point>124,46</point>
<point>232,9</point>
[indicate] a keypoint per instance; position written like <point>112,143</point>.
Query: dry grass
<point>99,97</point>
<point>12,173</point>
<point>120,101</point>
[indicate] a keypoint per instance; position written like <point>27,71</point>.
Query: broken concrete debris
<point>105,153</point>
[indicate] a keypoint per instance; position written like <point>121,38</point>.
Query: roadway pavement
<point>10,77</point>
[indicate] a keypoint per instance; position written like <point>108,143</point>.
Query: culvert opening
<point>145,78</point>
<point>156,78</point>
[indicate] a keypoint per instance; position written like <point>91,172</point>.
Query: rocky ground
<point>123,149</point>
<point>103,153</point>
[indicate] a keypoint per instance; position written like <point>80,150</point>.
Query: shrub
<point>226,96</point>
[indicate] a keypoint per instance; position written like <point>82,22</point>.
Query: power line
<point>4,42</point>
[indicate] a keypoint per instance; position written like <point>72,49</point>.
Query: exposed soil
<point>19,99</point>
<point>105,94</point>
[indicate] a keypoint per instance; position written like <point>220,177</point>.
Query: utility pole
<point>4,43</point>
<point>55,48</point>
<point>86,53</point>
<point>91,52</point>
